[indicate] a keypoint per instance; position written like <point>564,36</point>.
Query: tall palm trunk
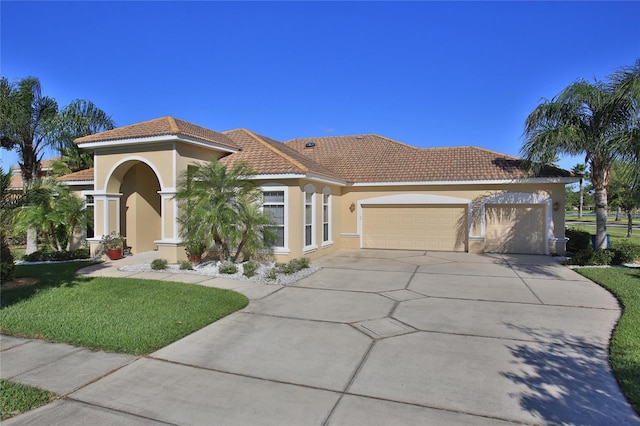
<point>629,223</point>
<point>581,200</point>
<point>601,217</point>
<point>32,240</point>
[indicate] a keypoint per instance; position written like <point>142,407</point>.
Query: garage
<point>415,227</point>
<point>515,228</point>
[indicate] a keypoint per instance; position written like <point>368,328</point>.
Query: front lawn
<point>115,314</point>
<point>16,398</point>
<point>624,283</point>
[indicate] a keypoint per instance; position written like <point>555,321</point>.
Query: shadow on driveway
<point>568,383</point>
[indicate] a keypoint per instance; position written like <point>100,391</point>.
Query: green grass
<point>591,218</point>
<point>16,398</point>
<point>18,252</point>
<point>115,314</point>
<point>624,283</point>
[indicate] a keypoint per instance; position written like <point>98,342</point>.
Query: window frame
<point>327,202</point>
<point>307,248</point>
<point>279,188</point>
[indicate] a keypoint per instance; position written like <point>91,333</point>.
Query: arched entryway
<point>140,212</point>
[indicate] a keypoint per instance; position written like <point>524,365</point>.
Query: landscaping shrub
<point>293,266</point>
<point>186,265</point>
<point>625,252</point>
<point>158,264</point>
<point>578,240</point>
<point>227,268</point>
<point>7,267</point>
<point>272,274</point>
<point>249,268</point>
<point>620,252</point>
<point>45,255</point>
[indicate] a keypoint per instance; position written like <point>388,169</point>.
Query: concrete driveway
<point>375,337</point>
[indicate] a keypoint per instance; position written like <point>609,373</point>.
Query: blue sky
<point>429,74</point>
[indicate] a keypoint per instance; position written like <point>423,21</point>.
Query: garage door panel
<point>515,229</point>
<point>414,227</point>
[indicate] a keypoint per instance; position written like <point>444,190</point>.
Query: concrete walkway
<point>375,337</point>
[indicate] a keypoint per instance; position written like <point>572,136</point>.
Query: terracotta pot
<point>114,254</point>
<point>195,258</point>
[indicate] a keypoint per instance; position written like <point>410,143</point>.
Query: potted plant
<point>113,245</point>
<point>194,251</point>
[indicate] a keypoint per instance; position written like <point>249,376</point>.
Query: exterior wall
<point>349,213</point>
<point>134,190</point>
<point>295,218</point>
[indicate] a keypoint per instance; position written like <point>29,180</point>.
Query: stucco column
<point>106,217</point>
<point>169,246</point>
<point>169,216</point>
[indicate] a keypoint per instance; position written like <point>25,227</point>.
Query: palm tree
<point>598,120</point>
<point>214,202</point>
<point>624,191</point>
<point>9,201</point>
<point>31,123</point>
<point>581,171</point>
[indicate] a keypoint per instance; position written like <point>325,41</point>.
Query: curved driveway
<point>382,337</point>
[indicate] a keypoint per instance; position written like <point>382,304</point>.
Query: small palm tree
<point>214,202</point>
<point>598,120</point>
<point>55,212</point>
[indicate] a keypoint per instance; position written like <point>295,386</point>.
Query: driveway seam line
<point>350,382</point>
<point>232,373</point>
<point>431,407</point>
<point>514,339</point>
<point>108,373</point>
<point>91,404</point>
<point>18,345</point>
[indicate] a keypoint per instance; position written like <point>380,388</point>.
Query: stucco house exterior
<point>363,191</point>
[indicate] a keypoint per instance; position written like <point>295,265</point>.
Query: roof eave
<point>564,180</point>
<point>156,139</point>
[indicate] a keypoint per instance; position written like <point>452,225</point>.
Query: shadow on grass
<point>567,383</point>
<point>48,275</point>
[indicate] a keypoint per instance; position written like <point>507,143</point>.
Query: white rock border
<point>210,269</point>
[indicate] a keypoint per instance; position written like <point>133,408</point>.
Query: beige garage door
<point>414,227</point>
<point>515,229</point>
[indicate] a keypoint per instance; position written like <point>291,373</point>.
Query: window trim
<point>308,248</point>
<point>326,191</point>
<point>280,188</point>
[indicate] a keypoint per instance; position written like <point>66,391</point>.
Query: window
<point>326,216</point>
<point>89,203</point>
<point>274,205</point>
<point>309,218</point>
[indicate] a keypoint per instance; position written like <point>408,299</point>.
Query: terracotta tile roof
<point>372,158</point>
<point>160,127</point>
<point>267,156</point>
<point>80,175</point>
<point>16,181</point>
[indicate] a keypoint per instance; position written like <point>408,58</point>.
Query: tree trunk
<point>629,223</point>
<point>618,214</point>
<point>32,240</point>
<point>581,200</point>
<point>601,218</point>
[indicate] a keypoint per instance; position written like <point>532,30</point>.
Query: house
<point>363,191</point>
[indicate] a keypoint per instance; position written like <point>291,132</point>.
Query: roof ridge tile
<point>276,151</point>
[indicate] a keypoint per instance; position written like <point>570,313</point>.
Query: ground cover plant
<point>114,314</point>
<point>16,398</point>
<point>624,355</point>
